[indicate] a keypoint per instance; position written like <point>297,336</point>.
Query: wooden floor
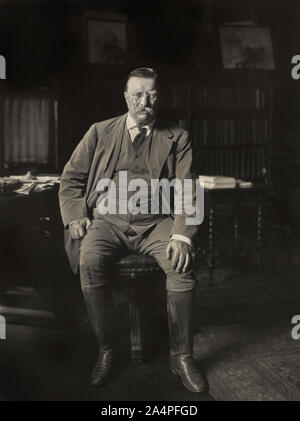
<point>42,364</point>
<point>52,364</point>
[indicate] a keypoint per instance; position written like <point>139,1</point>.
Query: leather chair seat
<point>136,264</point>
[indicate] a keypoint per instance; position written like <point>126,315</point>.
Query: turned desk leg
<point>259,237</point>
<point>236,223</point>
<point>211,257</point>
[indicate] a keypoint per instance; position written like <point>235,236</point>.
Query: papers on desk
<point>26,189</point>
<point>34,183</point>
<point>37,179</point>
<point>222,182</point>
<point>244,184</point>
<point>217,182</point>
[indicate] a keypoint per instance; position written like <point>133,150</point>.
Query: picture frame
<point>105,37</point>
<point>247,47</point>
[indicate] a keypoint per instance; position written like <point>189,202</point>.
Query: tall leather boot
<point>99,303</point>
<point>180,307</point>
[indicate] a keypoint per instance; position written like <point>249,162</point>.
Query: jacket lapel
<point>162,142</point>
<point>112,139</point>
<point>113,136</point>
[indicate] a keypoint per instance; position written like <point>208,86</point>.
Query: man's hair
<point>145,72</point>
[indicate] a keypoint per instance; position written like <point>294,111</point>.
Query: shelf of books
<point>231,128</point>
<point>179,104</point>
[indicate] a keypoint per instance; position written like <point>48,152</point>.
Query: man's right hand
<point>78,228</point>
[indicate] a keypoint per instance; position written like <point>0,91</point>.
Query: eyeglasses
<point>139,95</point>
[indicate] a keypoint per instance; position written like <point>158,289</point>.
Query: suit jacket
<point>95,158</point>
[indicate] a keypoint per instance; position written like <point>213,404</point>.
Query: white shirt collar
<point>133,127</point>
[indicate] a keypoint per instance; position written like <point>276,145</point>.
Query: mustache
<point>145,109</point>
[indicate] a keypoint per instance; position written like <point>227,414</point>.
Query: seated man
<point>141,148</point>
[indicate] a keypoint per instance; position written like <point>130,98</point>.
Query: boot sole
<point>101,383</point>
<point>203,390</point>
<point>104,381</point>
<point>98,384</point>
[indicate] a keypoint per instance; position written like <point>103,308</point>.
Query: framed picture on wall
<point>105,37</point>
<point>248,47</point>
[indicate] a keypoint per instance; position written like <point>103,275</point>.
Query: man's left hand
<point>180,254</point>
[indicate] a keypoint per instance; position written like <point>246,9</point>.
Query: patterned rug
<point>250,362</point>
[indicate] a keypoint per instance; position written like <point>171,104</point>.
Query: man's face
<point>142,99</point>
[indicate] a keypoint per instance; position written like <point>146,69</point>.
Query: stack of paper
<point>217,182</point>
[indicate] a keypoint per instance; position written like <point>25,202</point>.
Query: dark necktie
<point>139,139</point>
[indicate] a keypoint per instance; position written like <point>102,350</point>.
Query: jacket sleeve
<point>72,192</point>
<point>184,171</point>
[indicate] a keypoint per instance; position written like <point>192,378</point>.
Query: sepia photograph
<point>106,38</point>
<point>247,47</point>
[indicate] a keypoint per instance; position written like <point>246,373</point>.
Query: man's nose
<point>145,99</point>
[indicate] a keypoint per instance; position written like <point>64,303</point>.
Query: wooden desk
<point>216,200</point>
<point>19,209</point>
<point>36,282</point>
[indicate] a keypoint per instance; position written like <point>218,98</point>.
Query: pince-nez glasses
<point>139,95</point>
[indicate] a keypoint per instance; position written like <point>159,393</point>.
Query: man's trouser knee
<point>94,270</point>
<point>156,245</point>
<point>99,249</point>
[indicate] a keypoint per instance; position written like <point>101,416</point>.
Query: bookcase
<point>230,126</point>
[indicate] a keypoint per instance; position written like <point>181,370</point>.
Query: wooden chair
<point>131,281</point>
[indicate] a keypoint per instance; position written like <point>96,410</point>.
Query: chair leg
<point>135,333</point>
